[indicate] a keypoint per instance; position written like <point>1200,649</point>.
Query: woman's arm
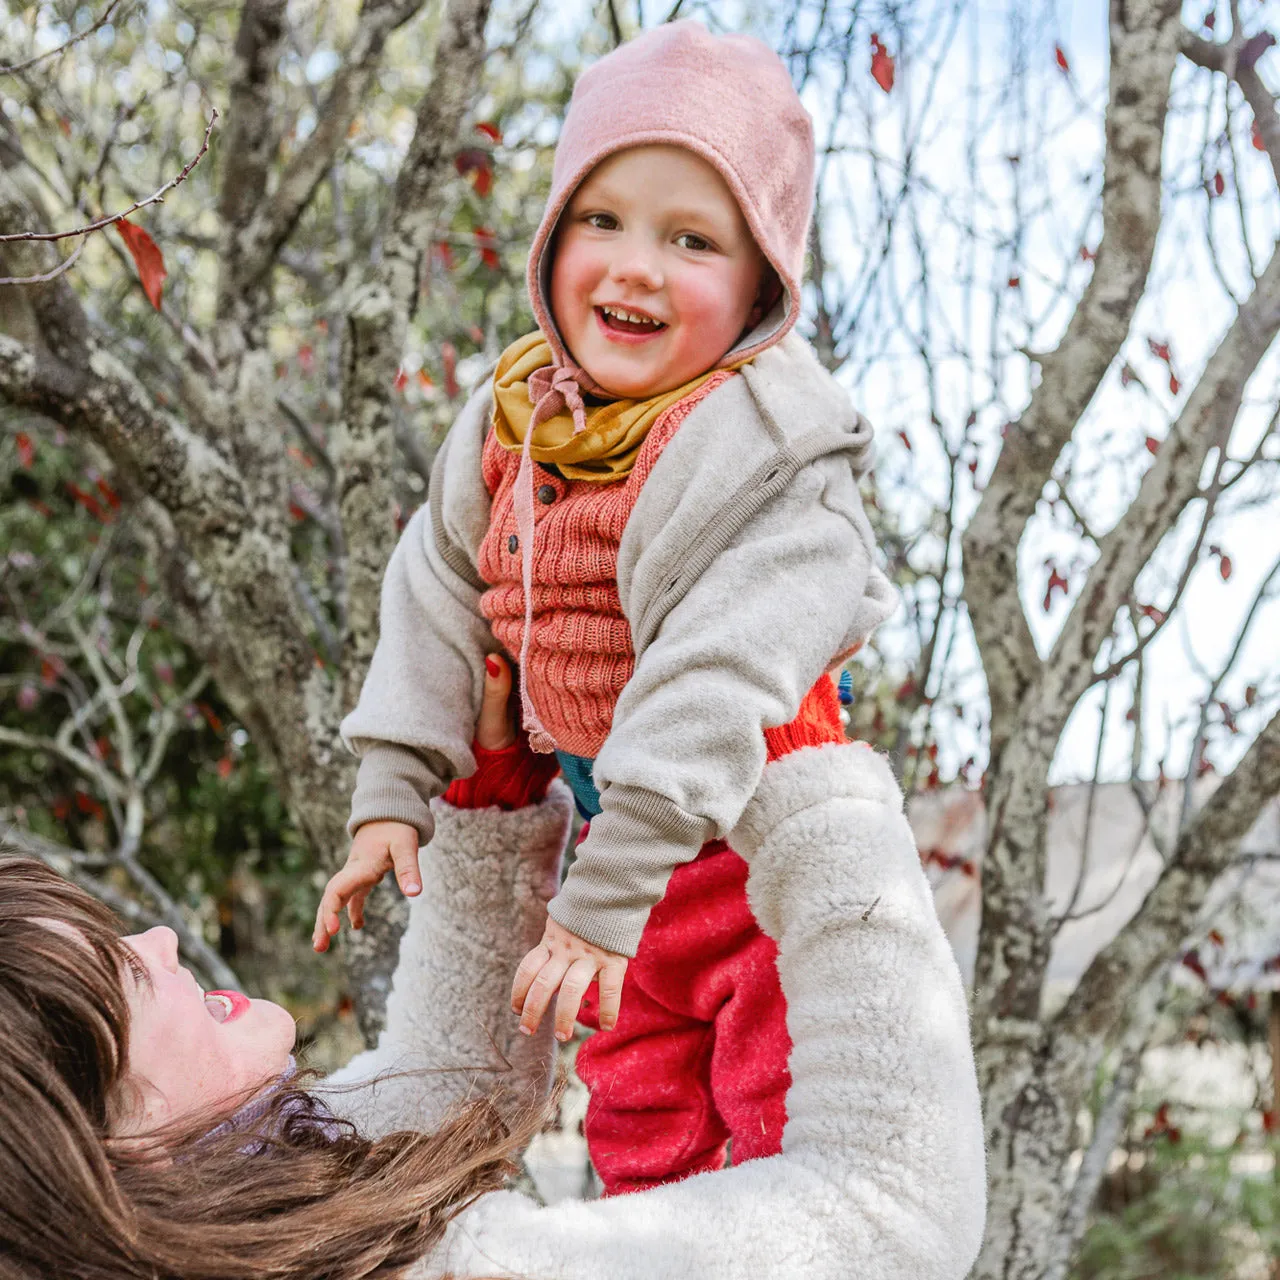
<point>486,878</point>
<point>881,1174</point>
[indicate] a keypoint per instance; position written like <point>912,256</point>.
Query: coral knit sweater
<point>580,650</point>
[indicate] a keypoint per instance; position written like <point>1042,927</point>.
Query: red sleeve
<point>510,778</point>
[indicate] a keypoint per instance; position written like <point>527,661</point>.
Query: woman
<point>148,1129</point>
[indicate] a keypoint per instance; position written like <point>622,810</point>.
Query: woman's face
<point>190,1050</point>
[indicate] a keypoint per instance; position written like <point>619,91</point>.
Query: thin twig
<point>154,198</point>
<point>65,265</point>
<point>62,48</point>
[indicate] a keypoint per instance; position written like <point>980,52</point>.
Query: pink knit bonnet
<point>728,99</point>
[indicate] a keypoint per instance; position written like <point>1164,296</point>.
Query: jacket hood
<point>728,99</point>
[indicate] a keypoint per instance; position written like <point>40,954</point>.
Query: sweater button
<point>546,494</point>
<point>513,544</point>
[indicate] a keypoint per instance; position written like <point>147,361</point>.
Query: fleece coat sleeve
<point>881,1173</point>
<point>486,878</point>
<point>413,725</point>
<point>738,652</point>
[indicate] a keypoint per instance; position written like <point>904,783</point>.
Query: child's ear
<point>766,296</point>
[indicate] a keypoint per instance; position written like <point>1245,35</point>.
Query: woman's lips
<point>226,1006</point>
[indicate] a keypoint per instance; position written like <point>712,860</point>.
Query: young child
<point>653,506</point>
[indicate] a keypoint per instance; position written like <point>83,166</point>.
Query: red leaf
<point>1219,183</point>
<point>401,379</point>
<point>224,768</point>
<point>1174,384</point>
<point>1061,58</point>
<point>210,716</point>
<point>449,361</point>
<point>470,159</point>
<point>147,258</point>
<point>1127,375</point>
<point>1153,446</point>
<point>906,439</point>
<point>445,254</point>
<point>1256,137</point>
<point>1087,254</point>
<point>1224,567</point>
<point>490,131</point>
<point>1192,961</point>
<point>482,180</point>
<point>1216,938</point>
<point>88,804</point>
<point>1014,281</point>
<point>26,450</point>
<point>1250,695</point>
<point>297,512</point>
<point>1056,583</point>
<point>1269,1121</point>
<point>109,494</point>
<point>88,502</point>
<point>424,380</point>
<point>882,64</point>
<point>1159,349</point>
<point>1210,20</point>
<point>1150,611</point>
<point>306,357</point>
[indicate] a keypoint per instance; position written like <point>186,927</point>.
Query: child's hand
<point>562,961</point>
<point>377,848</point>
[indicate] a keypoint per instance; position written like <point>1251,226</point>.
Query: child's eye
<point>693,242</point>
<point>602,221</point>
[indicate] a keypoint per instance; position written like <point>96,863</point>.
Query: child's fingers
<point>496,729</point>
<point>404,857</point>
<point>355,908</point>
<point>541,989</point>
<point>525,974</point>
<point>581,974</point>
<point>610,982</point>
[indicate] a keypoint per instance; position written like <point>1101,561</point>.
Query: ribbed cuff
<point>622,868</point>
<point>394,784</point>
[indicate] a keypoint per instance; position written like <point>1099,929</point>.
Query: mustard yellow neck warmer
<point>585,442</point>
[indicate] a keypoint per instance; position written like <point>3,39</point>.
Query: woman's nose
<point>162,943</point>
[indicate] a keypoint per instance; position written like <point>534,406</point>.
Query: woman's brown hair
<point>299,1197</point>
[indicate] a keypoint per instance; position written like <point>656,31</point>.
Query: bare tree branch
<point>1144,43</point>
<point>66,44</point>
<point>156,197</point>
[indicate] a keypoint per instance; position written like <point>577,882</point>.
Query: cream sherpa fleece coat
<point>881,1174</point>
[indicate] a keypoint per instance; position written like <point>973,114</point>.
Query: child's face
<point>655,232</point>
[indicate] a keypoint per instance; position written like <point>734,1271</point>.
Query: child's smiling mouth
<point>622,324</point>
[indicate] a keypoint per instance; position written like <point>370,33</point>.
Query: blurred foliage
<point>1197,1208</point>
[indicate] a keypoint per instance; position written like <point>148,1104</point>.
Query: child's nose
<point>637,264</point>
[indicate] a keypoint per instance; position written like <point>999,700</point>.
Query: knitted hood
<point>728,99</point>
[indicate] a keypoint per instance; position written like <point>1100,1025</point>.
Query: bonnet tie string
<point>553,389</point>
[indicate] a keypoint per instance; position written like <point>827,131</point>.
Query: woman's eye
<point>695,243</point>
<point>139,971</point>
<point>602,221</point>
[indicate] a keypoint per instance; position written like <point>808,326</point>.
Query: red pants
<point>700,1051</point>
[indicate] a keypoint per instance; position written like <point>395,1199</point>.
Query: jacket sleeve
<point>413,725</point>
<point>737,653</point>
<point>881,1173</point>
<point>486,877</point>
